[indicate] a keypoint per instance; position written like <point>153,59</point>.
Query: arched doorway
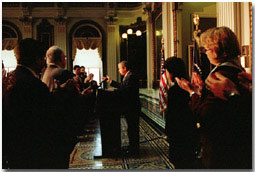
<point>87,48</point>
<point>10,37</point>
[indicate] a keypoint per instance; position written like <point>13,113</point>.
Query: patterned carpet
<point>153,152</point>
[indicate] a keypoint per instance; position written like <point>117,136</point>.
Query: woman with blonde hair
<point>225,129</point>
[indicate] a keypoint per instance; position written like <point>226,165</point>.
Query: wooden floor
<point>153,152</point>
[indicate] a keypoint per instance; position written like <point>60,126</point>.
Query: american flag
<point>163,85</point>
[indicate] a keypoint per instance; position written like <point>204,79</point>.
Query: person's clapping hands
<point>109,80</point>
<point>197,83</point>
<point>88,90</point>
<point>195,86</point>
<point>70,85</point>
<point>220,86</point>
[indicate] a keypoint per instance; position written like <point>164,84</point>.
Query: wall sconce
<point>158,33</point>
<point>124,35</point>
<point>130,31</point>
<point>138,33</point>
<point>244,59</point>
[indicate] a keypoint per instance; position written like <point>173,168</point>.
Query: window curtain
<point>9,43</point>
<point>87,43</point>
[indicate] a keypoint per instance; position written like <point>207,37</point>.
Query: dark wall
<point>135,54</point>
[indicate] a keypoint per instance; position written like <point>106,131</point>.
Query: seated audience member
<point>28,125</point>
<point>180,123</point>
<point>225,128</point>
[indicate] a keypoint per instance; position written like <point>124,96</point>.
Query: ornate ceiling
<point>74,4</point>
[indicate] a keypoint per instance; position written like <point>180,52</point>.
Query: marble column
<point>60,33</point>
<point>149,35</point>
<point>168,32</point>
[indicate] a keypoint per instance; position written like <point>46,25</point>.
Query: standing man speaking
<point>128,93</point>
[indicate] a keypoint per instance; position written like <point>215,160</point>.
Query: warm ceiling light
<point>138,33</point>
<point>124,35</point>
<point>129,31</point>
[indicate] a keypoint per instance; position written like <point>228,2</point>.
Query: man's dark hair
<point>29,51</point>
<point>176,67</point>
<point>125,64</point>
<point>82,67</point>
<point>76,66</point>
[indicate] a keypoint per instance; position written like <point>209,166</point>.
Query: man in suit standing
<point>128,93</point>
<point>28,126</point>
<point>55,73</point>
<point>66,100</point>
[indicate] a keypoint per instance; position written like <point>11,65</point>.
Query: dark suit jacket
<point>28,135</point>
<point>53,72</point>
<point>180,123</point>
<point>128,93</point>
<point>225,126</point>
<point>69,105</point>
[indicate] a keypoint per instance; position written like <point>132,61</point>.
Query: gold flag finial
<point>196,20</point>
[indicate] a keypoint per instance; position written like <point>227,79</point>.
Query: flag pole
<point>196,54</point>
<point>162,54</point>
<point>163,85</point>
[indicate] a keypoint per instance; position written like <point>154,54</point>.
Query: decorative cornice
<point>61,20</point>
<point>27,20</point>
<point>111,19</point>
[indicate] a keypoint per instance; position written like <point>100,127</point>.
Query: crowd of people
<point>42,117</point>
<point>221,108</point>
<point>207,120</point>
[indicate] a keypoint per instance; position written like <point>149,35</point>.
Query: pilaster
<point>149,48</point>
<point>168,32</point>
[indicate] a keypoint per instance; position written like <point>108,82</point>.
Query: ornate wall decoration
<point>45,33</point>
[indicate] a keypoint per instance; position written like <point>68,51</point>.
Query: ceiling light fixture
<point>129,31</point>
<point>124,35</point>
<point>138,33</point>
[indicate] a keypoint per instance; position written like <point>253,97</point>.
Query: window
<point>9,60</point>
<point>92,62</point>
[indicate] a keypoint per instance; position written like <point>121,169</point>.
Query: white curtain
<point>87,43</point>
<point>229,15</point>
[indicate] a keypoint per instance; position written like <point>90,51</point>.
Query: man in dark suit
<point>66,101</point>
<point>55,73</point>
<point>127,93</point>
<point>28,126</point>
